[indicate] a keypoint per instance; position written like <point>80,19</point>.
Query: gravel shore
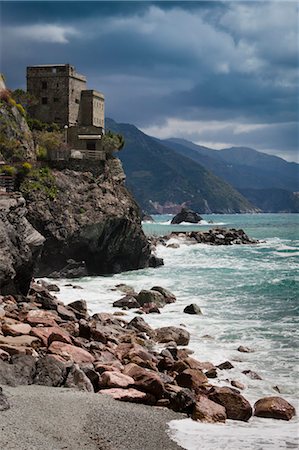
<point>43,418</point>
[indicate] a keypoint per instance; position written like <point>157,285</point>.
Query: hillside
<point>248,170</point>
<point>158,177</point>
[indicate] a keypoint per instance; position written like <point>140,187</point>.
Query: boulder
<point>149,308</point>
<point>237,384</point>
<point>42,317</point>
<point>129,395</point>
<point>128,301</point>
<point>16,329</point>
<point>19,341</point>
<point>79,307</point>
<point>50,371</point>
<point>70,352</point>
<point>186,215</point>
<point>244,349</point>
<point>4,403</point>
<point>77,379</point>
<point>193,309</point>
<point>180,399</point>
<point>192,379</point>
<point>251,374</point>
<point>115,380</point>
<point>65,313</point>
<point>172,334</point>
<point>274,408</point>
<point>169,297</point>
<point>206,410</point>
<point>139,324</point>
<point>56,334</point>
<point>149,296</point>
<point>225,366</point>
<point>21,370</point>
<point>146,380</point>
<point>236,406</point>
<point>154,261</point>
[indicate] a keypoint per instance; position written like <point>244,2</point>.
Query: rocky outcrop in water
<point>20,246</point>
<point>186,215</point>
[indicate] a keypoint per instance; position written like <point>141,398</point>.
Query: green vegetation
<point>112,141</point>
<point>10,149</point>
<point>37,125</point>
<point>8,170</point>
<point>41,180</point>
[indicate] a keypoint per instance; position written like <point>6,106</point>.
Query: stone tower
<point>62,96</point>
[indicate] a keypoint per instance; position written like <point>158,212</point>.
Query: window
<point>54,70</point>
<point>55,99</point>
<point>44,85</point>
<point>44,100</point>
<point>77,101</point>
<point>91,145</point>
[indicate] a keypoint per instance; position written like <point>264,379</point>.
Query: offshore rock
<point>186,215</point>
<point>93,219</point>
<point>20,246</point>
<point>236,406</point>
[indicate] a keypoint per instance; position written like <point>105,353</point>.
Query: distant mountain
<point>248,171</point>
<point>163,180</point>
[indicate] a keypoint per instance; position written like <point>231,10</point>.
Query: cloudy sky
<point>217,73</point>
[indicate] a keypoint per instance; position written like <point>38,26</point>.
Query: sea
<point>248,295</point>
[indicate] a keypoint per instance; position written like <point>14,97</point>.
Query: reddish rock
<point>201,365</point>
<point>139,324</point>
<point>274,408</point>
<point>39,316</point>
<point>192,379</point>
<point>113,367</point>
<point>70,352</point>
<point>128,301</point>
<point>65,313</point>
<point>146,380</point>
<point>44,333</point>
<point>115,380</point>
<point>16,329</point>
<point>238,384</point>
<point>236,406</point>
<point>79,307</point>
<point>225,366</point>
<point>175,334</point>
<point>206,410</point>
<point>129,395</point>
<point>17,350</point>
<point>19,341</point>
<point>149,308</point>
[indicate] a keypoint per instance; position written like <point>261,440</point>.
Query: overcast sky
<point>217,73</point>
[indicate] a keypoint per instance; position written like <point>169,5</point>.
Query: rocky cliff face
<point>87,218</point>
<point>20,246</point>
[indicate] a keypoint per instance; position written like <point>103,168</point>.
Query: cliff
<point>20,246</point>
<point>86,214</point>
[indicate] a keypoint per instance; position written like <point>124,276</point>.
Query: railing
<point>6,184</point>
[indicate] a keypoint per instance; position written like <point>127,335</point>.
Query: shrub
<point>41,153</point>
<point>112,142</point>
<point>8,170</point>
<point>40,180</point>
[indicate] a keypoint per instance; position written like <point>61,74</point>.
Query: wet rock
<point>127,301</point>
<point>149,296</point>
<point>192,379</point>
<point>243,349</point>
<point>154,261</point>
<point>238,385</point>
<point>169,297</point>
<point>77,379</point>
<point>130,395</point>
<point>225,366</point>
<point>186,215</point>
<point>274,408</point>
<point>115,380</point>
<point>129,290</point>
<point>149,308</point>
<point>236,406</point>
<point>172,334</point>
<point>50,371</point>
<point>212,373</point>
<point>193,309</point>
<point>70,352</point>
<point>4,403</point>
<point>180,399</point>
<point>206,410</point>
<point>251,374</point>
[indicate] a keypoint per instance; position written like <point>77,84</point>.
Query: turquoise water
<point>249,296</point>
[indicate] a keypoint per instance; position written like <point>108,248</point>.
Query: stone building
<point>62,96</point>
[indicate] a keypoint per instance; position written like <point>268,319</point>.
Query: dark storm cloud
<point>156,61</point>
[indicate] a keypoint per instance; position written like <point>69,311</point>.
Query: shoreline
<point>58,418</point>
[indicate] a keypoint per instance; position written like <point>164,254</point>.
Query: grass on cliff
<point>42,181</point>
